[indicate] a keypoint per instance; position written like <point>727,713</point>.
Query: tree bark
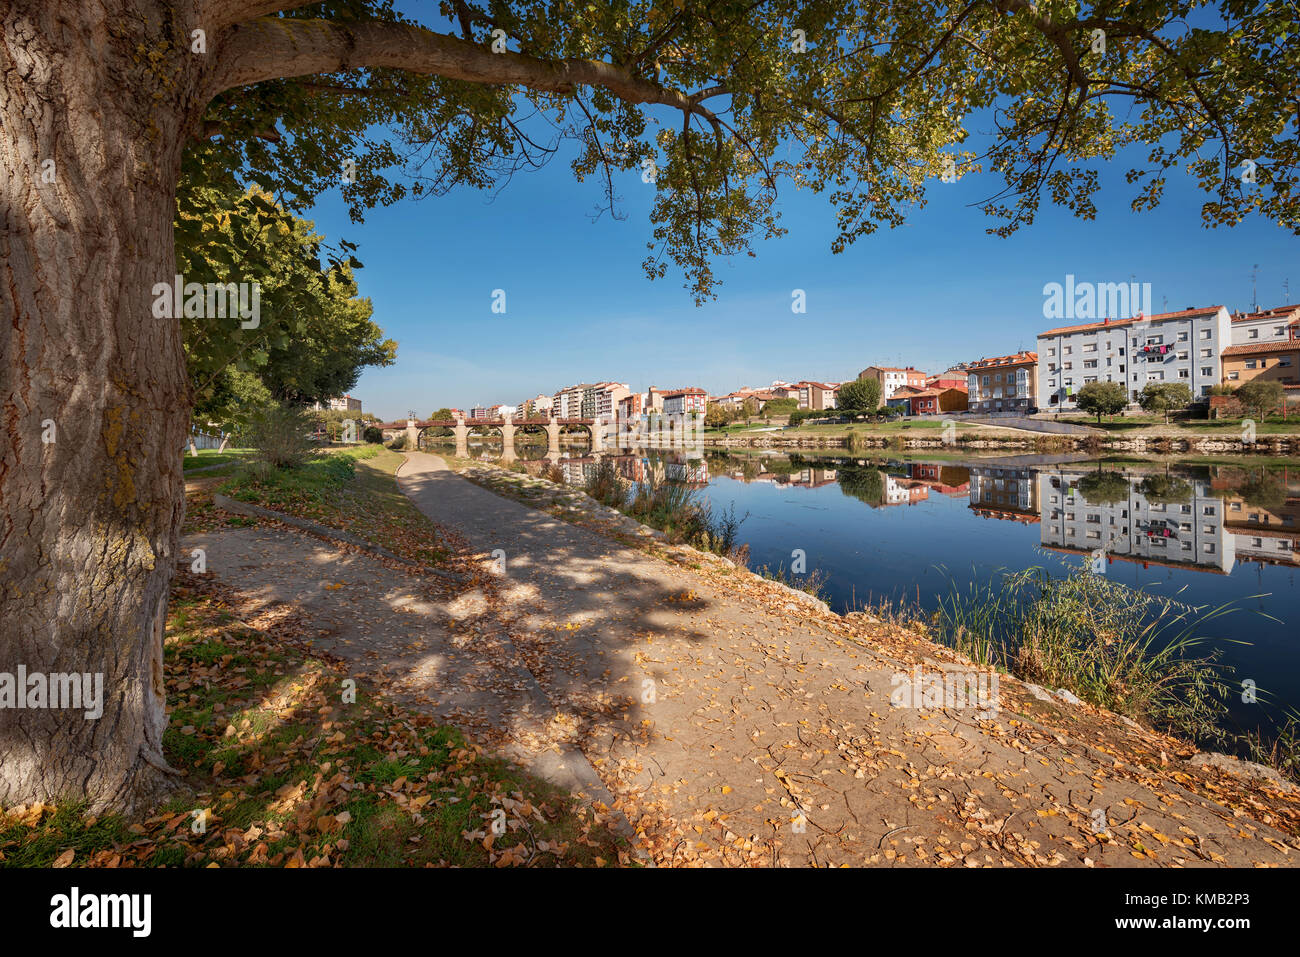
<point>94,397</point>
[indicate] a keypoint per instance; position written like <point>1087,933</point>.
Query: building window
<point>1206,370</point>
<point>1206,333</point>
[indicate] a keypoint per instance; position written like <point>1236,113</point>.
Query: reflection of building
<point>813,477</point>
<point>904,491</point>
<point>1004,493</point>
<point>1133,527</point>
<point>694,472</point>
<point>1269,532</point>
<point>951,480</point>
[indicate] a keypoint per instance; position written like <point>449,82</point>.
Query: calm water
<point>905,530</point>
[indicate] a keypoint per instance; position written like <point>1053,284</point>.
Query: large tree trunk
<point>89,521</point>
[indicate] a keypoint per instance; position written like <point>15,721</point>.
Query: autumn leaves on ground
<point>280,771</point>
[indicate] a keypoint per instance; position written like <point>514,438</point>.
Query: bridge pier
<point>461,431</point>
<point>597,435</point>
<point>553,439</point>
<point>412,436</point>
<point>507,438</point>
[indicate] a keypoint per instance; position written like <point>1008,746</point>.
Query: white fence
<point>202,440</point>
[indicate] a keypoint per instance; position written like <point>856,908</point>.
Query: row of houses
<point>1198,347</point>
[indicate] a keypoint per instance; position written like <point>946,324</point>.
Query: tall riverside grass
<point>672,507</point>
<point>1116,647</point>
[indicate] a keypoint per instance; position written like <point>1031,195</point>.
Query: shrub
<point>280,436</point>
<point>373,434</point>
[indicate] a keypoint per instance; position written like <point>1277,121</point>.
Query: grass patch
<point>352,489</point>
<point>209,457</point>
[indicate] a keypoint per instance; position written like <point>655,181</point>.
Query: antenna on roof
<point>1286,291</point>
<point>1254,274</point>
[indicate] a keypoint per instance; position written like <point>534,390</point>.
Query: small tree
<point>859,397</point>
<point>716,416</point>
<point>1260,397</point>
<point>1101,398</point>
<point>1164,397</point>
<point>280,434</point>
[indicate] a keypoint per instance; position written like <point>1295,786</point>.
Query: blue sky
<point>934,292</point>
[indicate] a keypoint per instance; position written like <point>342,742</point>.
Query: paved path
<point>730,730</point>
<point>770,739</point>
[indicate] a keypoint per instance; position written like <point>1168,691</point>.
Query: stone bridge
<point>645,430</point>
<point>505,425</point>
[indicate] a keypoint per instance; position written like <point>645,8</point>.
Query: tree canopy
<point>312,336</point>
<point>873,103</point>
<point>1101,398</point>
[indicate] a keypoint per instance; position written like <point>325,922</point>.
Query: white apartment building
<point>1267,325</point>
<point>1181,347</point>
<point>1183,533</point>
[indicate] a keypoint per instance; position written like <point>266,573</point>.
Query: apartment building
<point>538,405</point>
<point>892,377</point>
<point>342,403</point>
<point>630,407</point>
<point>1184,347</point>
<point>1003,383</point>
<point>567,403</point>
<point>478,412</point>
<point>606,397</point>
<point>682,401</point>
<point>1265,345</point>
<point>817,395</point>
<point>1279,324</point>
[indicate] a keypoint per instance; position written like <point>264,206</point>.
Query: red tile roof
<point>1019,358</point>
<point>1262,348</point>
<point>1277,312</point>
<point>1157,317</point>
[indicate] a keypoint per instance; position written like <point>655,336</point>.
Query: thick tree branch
<point>272,48</point>
<point>215,14</point>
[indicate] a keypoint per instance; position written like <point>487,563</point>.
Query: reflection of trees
<point>1263,489</point>
<point>1104,488</point>
<point>866,485</point>
<point>1165,489</point>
